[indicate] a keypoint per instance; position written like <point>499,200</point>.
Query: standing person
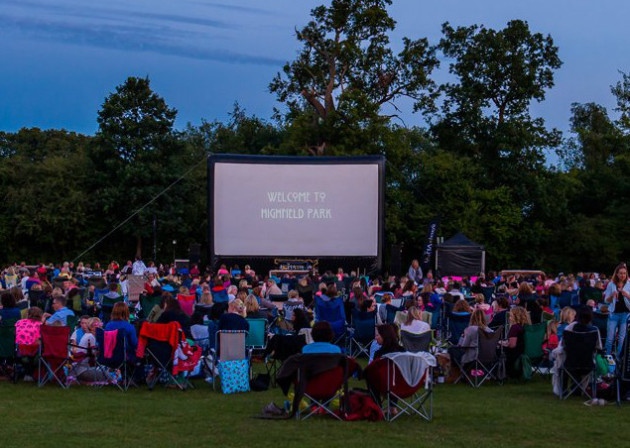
<point>617,295</point>
<point>138,267</point>
<point>415,272</point>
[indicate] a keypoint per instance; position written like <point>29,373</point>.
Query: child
<point>551,339</point>
<point>480,304</point>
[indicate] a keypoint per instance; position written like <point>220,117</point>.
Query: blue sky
<point>61,58</point>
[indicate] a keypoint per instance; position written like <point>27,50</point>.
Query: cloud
<point>186,36</point>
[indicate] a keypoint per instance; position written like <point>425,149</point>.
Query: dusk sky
<point>62,58</point>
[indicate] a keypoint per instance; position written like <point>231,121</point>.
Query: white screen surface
<point>296,209</point>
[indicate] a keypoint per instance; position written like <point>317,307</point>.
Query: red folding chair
<point>187,302</point>
<point>53,354</point>
<point>410,393</point>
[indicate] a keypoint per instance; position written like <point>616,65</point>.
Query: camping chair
<point>457,323</point>
<point>547,317</point>
<point>391,311</point>
<point>157,345</point>
<point>405,380</point>
<point>279,348</point>
<point>489,362</point>
<point>361,334</point>
<point>147,303</point>
<point>319,379</point>
<point>107,305</point>
<point>8,355</point>
<point>257,335</point>
<point>114,357</point>
<point>600,320</point>
<point>415,343</point>
<point>578,371</point>
<point>534,336</point>
<point>332,311</point>
<point>231,361</point>
<point>187,302</point>
<point>53,354</point>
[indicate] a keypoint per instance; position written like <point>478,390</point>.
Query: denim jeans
<point>616,323</point>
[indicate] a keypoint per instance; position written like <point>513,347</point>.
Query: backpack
<point>361,406</point>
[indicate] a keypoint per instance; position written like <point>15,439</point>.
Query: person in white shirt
<point>138,267</point>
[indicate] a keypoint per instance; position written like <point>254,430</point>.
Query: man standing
<point>138,267</point>
<point>415,272</point>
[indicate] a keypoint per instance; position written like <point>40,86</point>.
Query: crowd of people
<point>57,295</point>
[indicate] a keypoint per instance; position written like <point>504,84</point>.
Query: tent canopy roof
<point>459,241</point>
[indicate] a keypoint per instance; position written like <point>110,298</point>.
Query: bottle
<point>611,364</point>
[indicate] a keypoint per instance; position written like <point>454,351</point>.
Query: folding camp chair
<point>257,335</point>
<point>534,336</point>
<point>147,303</point>
<point>107,305</point>
<point>231,361</point>
<point>157,345</point>
<point>8,356</point>
<point>325,388</point>
<point>578,371</point>
<point>114,357</point>
<point>489,362</point>
<point>406,381</point>
<point>600,320</point>
<point>53,354</point>
<point>319,379</point>
<point>457,323</point>
<point>187,302</point>
<point>416,342</point>
<point>333,312</point>
<point>279,348</point>
<point>361,333</point>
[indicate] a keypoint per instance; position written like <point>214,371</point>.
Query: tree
<point>485,113</point>
<point>346,73</point>
<point>135,146</point>
<point>43,177</point>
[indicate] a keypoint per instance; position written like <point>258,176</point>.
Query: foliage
<point>346,72</point>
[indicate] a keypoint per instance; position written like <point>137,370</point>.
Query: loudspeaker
<point>194,253</point>
<point>395,264</point>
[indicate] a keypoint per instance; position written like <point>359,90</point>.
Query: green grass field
<point>518,414</point>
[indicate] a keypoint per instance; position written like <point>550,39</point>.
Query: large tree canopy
<point>346,71</point>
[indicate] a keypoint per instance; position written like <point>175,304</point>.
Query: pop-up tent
<point>460,256</point>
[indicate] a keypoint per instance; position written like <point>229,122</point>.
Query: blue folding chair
<point>333,312</point>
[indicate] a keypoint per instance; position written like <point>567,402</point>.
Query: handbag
<point>234,376</point>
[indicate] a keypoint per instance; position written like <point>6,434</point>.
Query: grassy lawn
<point>492,416</point>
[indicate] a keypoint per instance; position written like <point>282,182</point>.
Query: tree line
<point>478,164</point>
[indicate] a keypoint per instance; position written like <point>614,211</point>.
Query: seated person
<point>414,323</point>
<point>462,307</point>
<point>78,333</point>
<point>252,308</point>
<point>119,320</point>
<point>322,334</point>
<point>465,350</point>
<point>515,342</point>
<point>386,341</point>
<point>84,353</point>
<point>10,310</point>
<point>172,312</point>
<point>584,324</point>
<point>27,338</point>
<point>61,312</point>
<point>234,319</point>
<point>499,318</point>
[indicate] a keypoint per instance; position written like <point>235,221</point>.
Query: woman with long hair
<point>617,296</point>
<point>515,343</point>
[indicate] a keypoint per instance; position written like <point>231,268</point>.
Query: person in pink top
<point>27,330</point>
<point>27,336</point>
